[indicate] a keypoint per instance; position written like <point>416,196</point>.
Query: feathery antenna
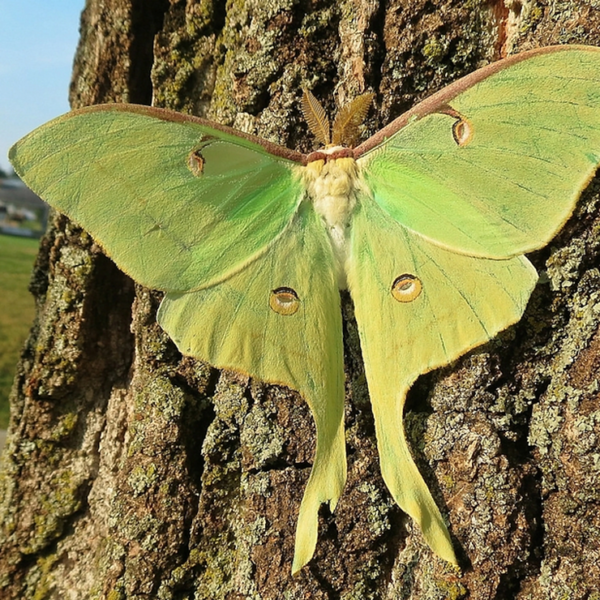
<point>315,116</point>
<point>349,119</point>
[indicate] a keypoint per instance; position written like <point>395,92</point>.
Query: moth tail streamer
<point>401,475</point>
<point>325,484</point>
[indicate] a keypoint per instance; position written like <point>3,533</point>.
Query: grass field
<point>17,256</point>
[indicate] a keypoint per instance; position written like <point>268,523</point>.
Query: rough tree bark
<point>132,472</point>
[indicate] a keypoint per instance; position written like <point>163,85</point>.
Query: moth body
<point>333,187</point>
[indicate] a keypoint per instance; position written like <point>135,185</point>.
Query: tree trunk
<point>133,472</point>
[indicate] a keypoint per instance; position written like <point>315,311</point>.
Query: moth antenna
<point>316,117</point>
<point>349,119</point>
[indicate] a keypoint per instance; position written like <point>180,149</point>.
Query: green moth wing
<point>493,165</point>
<point>475,176</point>
<point>185,205</point>
<point>279,319</point>
<point>419,306</point>
<point>174,200</point>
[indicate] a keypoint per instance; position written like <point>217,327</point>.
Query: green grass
<point>17,309</point>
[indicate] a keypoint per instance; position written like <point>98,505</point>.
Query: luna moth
<point>426,224</point>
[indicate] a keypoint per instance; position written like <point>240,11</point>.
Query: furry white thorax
<point>333,187</point>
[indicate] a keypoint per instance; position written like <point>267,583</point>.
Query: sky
<point>38,39</point>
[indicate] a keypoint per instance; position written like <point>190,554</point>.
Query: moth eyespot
<point>462,131</point>
<point>406,288</point>
<point>284,301</point>
<point>196,162</point>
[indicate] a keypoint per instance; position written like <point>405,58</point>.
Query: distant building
<point>22,212</point>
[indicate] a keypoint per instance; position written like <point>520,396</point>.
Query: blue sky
<point>38,39</point>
